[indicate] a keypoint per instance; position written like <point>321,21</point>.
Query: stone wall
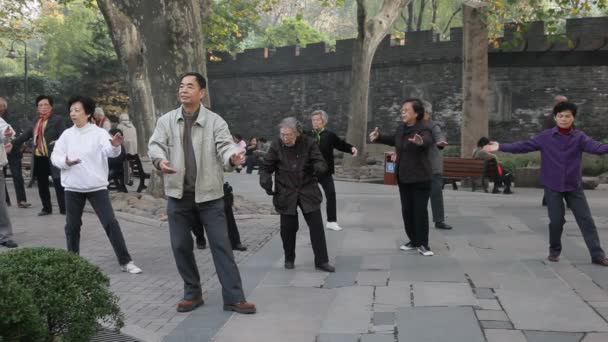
<point>257,88</point>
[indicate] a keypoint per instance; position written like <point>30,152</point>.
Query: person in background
<point>436,158</point>
<point>238,139</point>
<point>44,132</point>
<point>129,134</point>
<point>328,141</point>
<point>295,161</point>
<point>116,165</point>
<point>101,120</point>
<point>82,154</point>
<point>413,171</point>
<point>561,151</point>
<point>251,159</point>
<point>14,158</point>
<point>501,177</point>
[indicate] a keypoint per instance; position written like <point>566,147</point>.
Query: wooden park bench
<point>457,169</point>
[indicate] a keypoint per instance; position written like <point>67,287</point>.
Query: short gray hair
<point>99,110</point>
<point>428,107</point>
<point>3,101</point>
<point>322,113</point>
<point>291,123</point>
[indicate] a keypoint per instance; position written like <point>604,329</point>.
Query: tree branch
<point>447,26</point>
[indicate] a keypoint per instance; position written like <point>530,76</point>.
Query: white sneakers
<point>424,250</point>
<point>333,226</point>
<point>131,268</point>
<point>407,247</point>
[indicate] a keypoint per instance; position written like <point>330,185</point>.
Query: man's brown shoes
<point>187,305</point>
<point>242,308</point>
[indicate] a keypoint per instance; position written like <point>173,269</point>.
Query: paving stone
<point>384,318</point>
<point>414,268</point>
<point>377,338</point>
<point>549,336</point>
<point>376,262</point>
<point>496,325</point>
<point>420,324</point>
<point>350,310</point>
<point>502,335</point>
<point>372,278</point>
<point>382,329</point>
<point>348,263</point>
<point>338,338</point>
<point>484,293</point>
<point>603,312</point>
<point>489,304</point>
<point>308,279</point>
<point>529,308</point>
<point>443,294</point>
<point>396,294</point>
<point>539,269</point>
<point>593,337</point>
<point>490,315</point>
<point>340,279</point>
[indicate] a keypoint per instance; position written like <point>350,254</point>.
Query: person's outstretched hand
<point>374,135</point>
<point>492,146</point>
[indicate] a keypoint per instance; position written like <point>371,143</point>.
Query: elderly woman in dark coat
<point>296,161</point>
<point>413,170</point>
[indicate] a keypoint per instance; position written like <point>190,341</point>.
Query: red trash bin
<point>389,169</point>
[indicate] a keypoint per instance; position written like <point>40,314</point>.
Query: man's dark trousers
<point>580,209</point>
<point>289,228</point>
<point>327,183</point>
<point>14,162</point>
<point>437,198</point>
<point>42,170</point>
<point>182,217</point>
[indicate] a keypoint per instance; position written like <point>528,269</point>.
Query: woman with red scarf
<point>45,131</point>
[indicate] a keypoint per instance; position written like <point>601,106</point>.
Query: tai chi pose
<point>192,146</point>
<point>414,173</point>
<point>561,150</point>
<point>328,141</point>
<point>295,161</point>
<point>82,153</point>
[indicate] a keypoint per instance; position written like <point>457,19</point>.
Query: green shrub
<point>71,294</point>
<point>20,319</point>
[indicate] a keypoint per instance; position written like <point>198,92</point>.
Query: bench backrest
<point>463,167</point>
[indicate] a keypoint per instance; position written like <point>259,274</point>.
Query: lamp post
<point>12,54</point>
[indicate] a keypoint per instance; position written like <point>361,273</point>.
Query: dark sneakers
<point>187,305</point>
<point>601,262</point>
<point>239,247</point>
<point>9,244</point>
<point>242,308</point>
<point>553,257</point>
<point>44,213</point>
<point>326,267</point>
<point>442,225</point>
<point>289,265</point>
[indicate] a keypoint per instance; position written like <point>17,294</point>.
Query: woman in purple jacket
<point>561,150</point>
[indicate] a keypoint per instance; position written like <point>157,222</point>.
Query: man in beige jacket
<point>192,146</point>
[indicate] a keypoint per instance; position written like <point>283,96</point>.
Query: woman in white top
<point>82,154</point>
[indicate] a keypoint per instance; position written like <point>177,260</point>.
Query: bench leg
<point>142,184</point>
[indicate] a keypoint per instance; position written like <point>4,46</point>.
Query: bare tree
<point>410,17</point>
<point>420,15</point>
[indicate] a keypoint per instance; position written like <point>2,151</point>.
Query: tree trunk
<point>410,17</point>
<point>474,77</point>
<point>371,31</point>
<point>157,41</point>
<point>420,15</point>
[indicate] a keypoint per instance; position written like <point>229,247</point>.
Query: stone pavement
<point>489,280</point>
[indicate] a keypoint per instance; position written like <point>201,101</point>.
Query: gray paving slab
<point>539,269</point>
<point>549,336</point>
<point>372,278</point>
<point>283,311</point>
<point>376,262</point>
<point>350,310</point>
<point>443,294</point>
<point>530,309</point>
<point>503,335</point>
<point>384,318</point>
<point>348,263</point>
<point>489,304</point>
<point>397,294</point>
<point>338,338</point>
<point>593,337</point>
<point>340,278</point>
<point>420,324</point>
<point>490,315</point>
<point>496,324</point>
<point>309,278</point>
<point>484,293</point>
<point>415,267</point>
<point>377,338</point>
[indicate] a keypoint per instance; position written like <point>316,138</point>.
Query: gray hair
<point>99,111</point>
<point>428,107</point>
<point>322,113</point>
<point>3,101</point>
<point>291,123</point>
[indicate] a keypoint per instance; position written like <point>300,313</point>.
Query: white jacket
<point>3,126</point>
<point>92,146</point>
